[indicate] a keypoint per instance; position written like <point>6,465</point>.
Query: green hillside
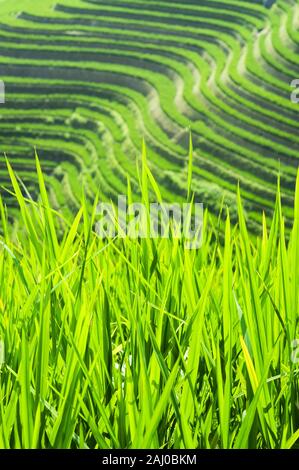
<point>120,328</point>
<point>86,80</point>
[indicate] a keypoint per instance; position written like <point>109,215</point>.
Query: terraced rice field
<point>86,80</point>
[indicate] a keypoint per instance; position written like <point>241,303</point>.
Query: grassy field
<point>86,80</point>
<point>143,343</point>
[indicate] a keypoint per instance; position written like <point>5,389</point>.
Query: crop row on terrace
<point>88,79</point>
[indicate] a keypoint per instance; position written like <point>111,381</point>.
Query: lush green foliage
<point>86,79</point>
<point>143,343</point>
<point>127,343</point>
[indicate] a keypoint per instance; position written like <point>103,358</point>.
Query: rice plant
<point>93,76</point>
<point>143,343</point>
